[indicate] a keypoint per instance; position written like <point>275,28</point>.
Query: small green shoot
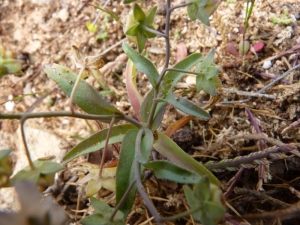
<point>283,19</point>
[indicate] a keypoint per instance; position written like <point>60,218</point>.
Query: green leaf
<point>202,189</point>
<point>102,215</point>
<point>151,16</point>
<point>43,172</point>
<point>138,13</point>
<point>169,171</point>
<point>97,141</point>
<point>93,186</point>
<point>141,41</point>
<point>146,107</point>
<point>192,10</point>
<point>126,171</point>
<point>186,106</point>
<point>172,77</point>
<point>5,166</point>
<point>128,1</point>
<point>133,30</point>
<point>208,60</point>
<point>146,144</point>
<point>142,64</point>
<point>192,201</point>
<point>213,211</point>
<point>169,149</point>
<point>206,85</point>
<point>202,15</point>
<point>211,72</point>
<point>86,97</point>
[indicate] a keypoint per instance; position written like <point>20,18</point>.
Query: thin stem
<point>182,71</point>
<point>181,215</point>
<point>25,144</point>
<point>144,195</point>
<point>122,200</point>
<point>74,88</point>
<point>167,59</point>
<point>180,6</point>
<point>105,146</point>
<point>26,116</point>
<point>155,31</point>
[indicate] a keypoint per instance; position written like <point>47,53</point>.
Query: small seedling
<point>283,19</point>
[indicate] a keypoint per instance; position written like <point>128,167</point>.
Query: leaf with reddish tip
<point>134,96</point>
<point>258,46</point>
<point>177,125</point>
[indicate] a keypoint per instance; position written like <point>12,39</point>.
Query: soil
<point>41,32</point>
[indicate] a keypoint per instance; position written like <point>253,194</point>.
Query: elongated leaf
<point>146,107</point>
<point>86,97</point>
<point>168,148</point>
<point>208,59</point>
<point>146,145</point>
<point>169,171</point>
<point>142,64</point>
<point>138,13</point>
<point>126,172</point>
<point>97,141</point>
<point>134,96</point>
<point>186,106</point>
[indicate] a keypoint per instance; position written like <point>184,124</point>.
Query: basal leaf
<point>142,64</point>
<point>170,171</point>
<point>134,96</point>
<point>86,97</point>
<point>126,171</point>
<point>93,186</point>
<point>97,141</point>
<point>169,149</point>
<point>186,106</point>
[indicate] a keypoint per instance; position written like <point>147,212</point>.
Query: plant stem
<point>74,88</point>
<point>26,116</point>
<point>105,146</point>
<point>122,200</point>
<point>167,58</point>
<point>144,195</point>
<point>182,71</point>
<point>155,32</point>
<point>180,6</point>
<point>25,144</point>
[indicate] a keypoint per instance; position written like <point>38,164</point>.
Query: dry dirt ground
<point>41,32</point>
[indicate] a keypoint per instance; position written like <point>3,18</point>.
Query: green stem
<point>105,146</point>
<point>25,144</point>
<point>155,31</point>
<point>74,88</point>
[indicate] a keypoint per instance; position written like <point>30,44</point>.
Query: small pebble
<point>267,64</point>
